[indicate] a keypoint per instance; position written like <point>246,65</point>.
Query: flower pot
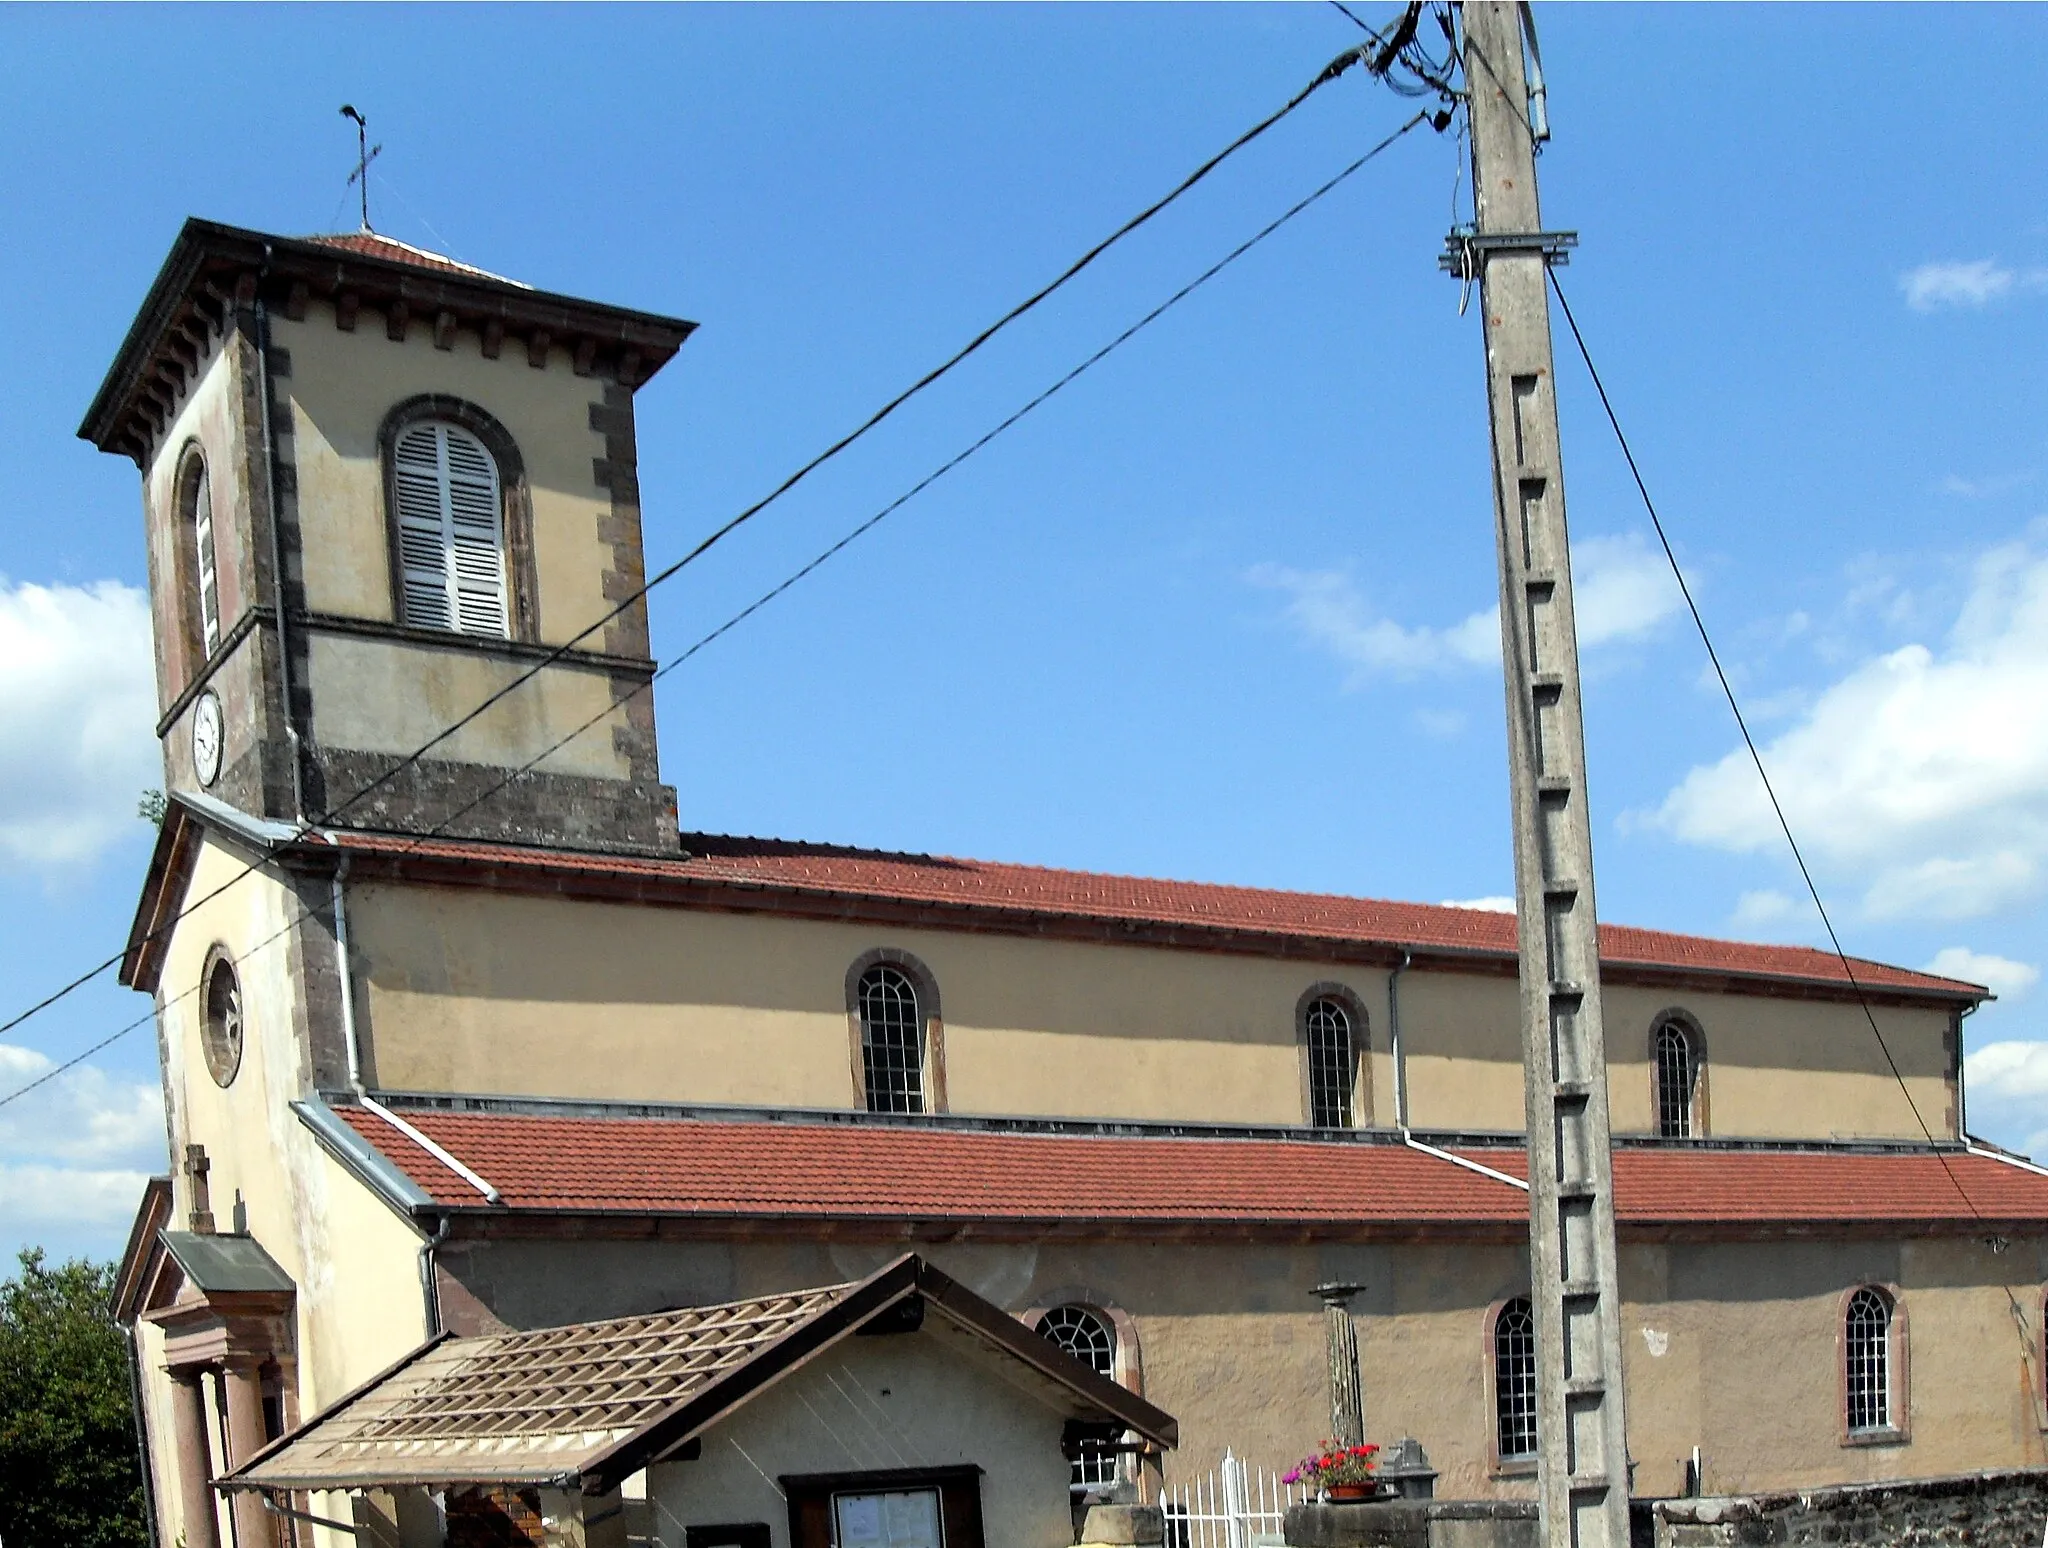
<point>1358,1491</point>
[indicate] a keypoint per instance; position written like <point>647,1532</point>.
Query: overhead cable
<point>1749,741</point>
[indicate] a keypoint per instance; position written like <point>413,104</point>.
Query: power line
<point>1328,73</point>
<point>1748,741</point>
<point>824,556</point>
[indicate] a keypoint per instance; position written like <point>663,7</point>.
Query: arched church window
<point>448,510</point>
<point>195,509</point>
<point>1867,1358</point>
<point>891,1040</point>
<point>1332,1063</point>
<point>1514,1380</point>
<point>1674,1055</point>
<point>1088,1336</point>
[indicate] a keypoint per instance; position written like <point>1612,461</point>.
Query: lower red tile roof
<point>763,1169</point>
<point>754,866</point>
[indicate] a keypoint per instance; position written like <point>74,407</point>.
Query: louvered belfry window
<point>451,530</point>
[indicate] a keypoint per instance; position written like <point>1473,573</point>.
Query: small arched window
<point>195,510</point>
<point>1867,1361</point>
<point>891,1041</point>
<point>448,512</point>
<point>1514,1380</point>
<point>220,1018</point>
<point>1089,1337</point>
<point>1332,1063</point>
<point>1675,1057</point>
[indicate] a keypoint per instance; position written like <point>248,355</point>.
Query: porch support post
<point>243,1384</point>
<point>194,1461</point>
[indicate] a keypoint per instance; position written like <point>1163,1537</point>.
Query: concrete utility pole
<point>1582,1438</point>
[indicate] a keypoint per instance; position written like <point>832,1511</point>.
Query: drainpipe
<point>1401,1087</point>
<point>1962,1105</point>
<point>1394,1037</point>
<point>428,1286</point>
<point>284,654</point>
<point>141,1432</point>
<point>341,966</point>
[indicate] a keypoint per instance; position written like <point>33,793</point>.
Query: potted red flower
<point>1340,1472</point>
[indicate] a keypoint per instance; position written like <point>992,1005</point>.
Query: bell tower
<point>380,487</point>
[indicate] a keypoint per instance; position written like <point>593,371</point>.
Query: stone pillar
<point>193,1460</point>
<point>1347,1402</point>
<point>243,1385</point>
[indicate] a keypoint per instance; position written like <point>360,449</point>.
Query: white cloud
<point>1483,905</point>
<point>1754,910</point>
<point>1921,777</point>
<point>78,698</point>
<point>1984,488</point>
<point>85,1116</point>
<point>2010,1071</point>
<point>1934,286</point>
<point>1327,608</point>
<point>2001,975</point>
<point>45,1196</point>
<point>1621,591</point>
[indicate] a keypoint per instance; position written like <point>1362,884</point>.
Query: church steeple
<point>379,485</point>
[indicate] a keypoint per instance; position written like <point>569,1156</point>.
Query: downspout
<point>430,1290</point>
<point>429,1284</point>
<point>1962,1103</point>
<point>284,653</point>
<point>1401,1086</point>
<point>141,1432</point>
<point>1394,1038</point>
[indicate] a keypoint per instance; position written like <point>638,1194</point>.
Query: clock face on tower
<point>206,737</point>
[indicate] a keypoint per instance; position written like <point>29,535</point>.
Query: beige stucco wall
<point>359,1304</point>
<point>517,994</point>
<point>871,1404</point>
<point>395,697</point>
<point>1731,1346</point>
<point>341,387</point>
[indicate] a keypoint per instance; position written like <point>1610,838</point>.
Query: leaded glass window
<point>1087,1335</point>
<point>1332,1063</point>
<point>1678,1076</point>
<point>1514,1380</point>
<point>891,1041</point>
<point>1868,1351</point>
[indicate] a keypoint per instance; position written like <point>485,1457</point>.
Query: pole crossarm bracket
<point>1465,249</point>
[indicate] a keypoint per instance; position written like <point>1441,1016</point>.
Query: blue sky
<point>1222,610</point>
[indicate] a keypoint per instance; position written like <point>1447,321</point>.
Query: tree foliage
<point>69,1472</point>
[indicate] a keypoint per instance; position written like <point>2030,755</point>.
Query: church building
<point>466,1037</point>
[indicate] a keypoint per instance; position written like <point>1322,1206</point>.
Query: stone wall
<point>1983,1510</point>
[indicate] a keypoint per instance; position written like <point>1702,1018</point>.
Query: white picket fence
<point>1236,1506</point>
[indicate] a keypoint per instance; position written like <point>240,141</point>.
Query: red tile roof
<point>372,244</point>
<point>757,1169</point>
<point>753,866</point>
